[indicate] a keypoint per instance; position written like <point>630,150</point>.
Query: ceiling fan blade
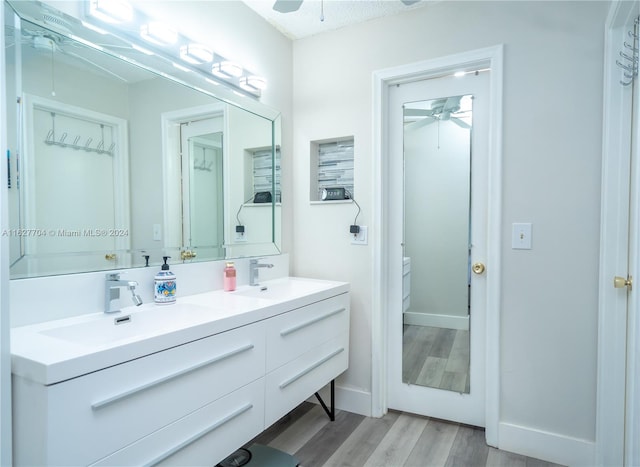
<point>79,57</point>
<point>461,123</point>
<point>287,6</point>
<point>418,112</point>
<point>419,124</point>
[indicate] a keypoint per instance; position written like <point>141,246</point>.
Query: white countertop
<point>54,351</point>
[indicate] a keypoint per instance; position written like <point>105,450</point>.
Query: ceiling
<point>337,14</point>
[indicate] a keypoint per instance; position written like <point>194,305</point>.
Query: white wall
<point>552,140</point>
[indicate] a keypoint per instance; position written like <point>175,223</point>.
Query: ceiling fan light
<point>111,11</point>
<point>227,69</point>
<point>253,83</point>
<point>158,33</point>
<point>196,54</point>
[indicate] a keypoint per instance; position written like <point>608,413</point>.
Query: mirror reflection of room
<point>436,273</point>
<point>87,111</point>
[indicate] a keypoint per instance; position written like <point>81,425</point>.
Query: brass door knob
<point>621,282</point>
<point>110,256</point>
<point>478,268</point>
<point>187,254</point>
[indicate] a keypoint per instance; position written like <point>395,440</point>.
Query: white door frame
<point>490,57</point>
<point>614,232</point>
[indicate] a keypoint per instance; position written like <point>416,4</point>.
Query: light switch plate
<point>157,232</point>
<point>521,236</point>
<point>361,237</point>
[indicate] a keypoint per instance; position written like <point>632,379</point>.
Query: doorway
<point>618,394</point>
<point>388,257</point>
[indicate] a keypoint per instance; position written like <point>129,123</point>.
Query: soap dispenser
<point>164,285</point>
<point>229,277</point>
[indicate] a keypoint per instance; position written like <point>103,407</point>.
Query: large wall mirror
<point>437,233</point>
<point>117,158</point>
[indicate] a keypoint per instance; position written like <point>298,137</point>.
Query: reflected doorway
<point>437,232</point>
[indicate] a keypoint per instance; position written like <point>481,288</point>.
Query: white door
<point>618,404</point>
<point>438,176</point>
<point>202,191</point>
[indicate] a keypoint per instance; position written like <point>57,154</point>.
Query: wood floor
<point>396,440</point>
<point>436,357</point>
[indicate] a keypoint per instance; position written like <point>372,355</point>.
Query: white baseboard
<point>545,445</point>
<point>349,399</point>
<point>436,321</point>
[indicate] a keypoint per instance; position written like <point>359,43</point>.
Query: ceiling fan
<point>288,6</point>
<point>446,109</point>
<point>51,43</point>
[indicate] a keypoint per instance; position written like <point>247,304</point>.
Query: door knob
<point>478,268</point>
<point>620,282</point>
<point>187,254</point>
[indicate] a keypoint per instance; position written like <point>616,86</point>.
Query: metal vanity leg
<point>330,412</point>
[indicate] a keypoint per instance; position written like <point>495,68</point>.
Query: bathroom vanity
<point>182,384</point>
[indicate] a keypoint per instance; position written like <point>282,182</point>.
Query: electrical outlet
<point>157,232</point>
<point>241,237</point>
<point>359,238</point>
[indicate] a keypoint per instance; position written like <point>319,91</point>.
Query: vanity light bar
<point>111,11</point>
<point>253,83</point>
<point>196,54</point>
<point>169,44</point>
<point>158,33</point>
<point>227,69</point>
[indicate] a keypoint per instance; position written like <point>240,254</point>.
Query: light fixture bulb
<point>196,54</point>
<point>111,11</point>
<point>158,33</point>
<point>227,69</point>
<point>253,83</point>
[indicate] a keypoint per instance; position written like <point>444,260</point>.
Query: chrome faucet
<point>254,267</point>
<point>112,292</point>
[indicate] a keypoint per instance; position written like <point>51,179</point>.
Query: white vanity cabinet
<point>306,348</point>
<point>189,404</point>
<point>80,421</point>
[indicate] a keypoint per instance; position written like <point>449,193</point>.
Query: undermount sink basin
<point>281,289</point>
<point>121,326</point>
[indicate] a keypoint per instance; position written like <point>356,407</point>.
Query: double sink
<point>54,351</point>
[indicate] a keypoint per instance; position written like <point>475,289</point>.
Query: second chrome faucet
<point>254,268</point>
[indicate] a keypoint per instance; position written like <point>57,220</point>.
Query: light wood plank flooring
<point>398,439</point>
<point>436,357</point>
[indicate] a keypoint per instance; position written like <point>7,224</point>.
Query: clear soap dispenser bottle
<point>164,285</point>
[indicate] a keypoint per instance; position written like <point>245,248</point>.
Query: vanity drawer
<point>204,437</point>
<point>289,385</point>
<point>291,334</point>
<point>116,406</point>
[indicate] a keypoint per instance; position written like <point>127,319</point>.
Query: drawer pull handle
<point>297,327</point>
<point>164,379</point>
<point>199,435</point>
<point>295,378</point>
